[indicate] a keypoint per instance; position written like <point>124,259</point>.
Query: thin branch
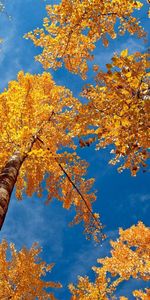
<point>76,25</point>
<point>74,185</point>
<point>35,136</point>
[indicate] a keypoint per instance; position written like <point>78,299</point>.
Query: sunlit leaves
<point>124,53</point>
<point>37,121</point>
<point>26,106</point>
<point>142,295</point>
<point>72,28</point>
<point>22,274</point>
<point>119,109</point>
<point>130,258</point>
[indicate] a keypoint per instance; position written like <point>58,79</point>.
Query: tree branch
<point>99,226</point>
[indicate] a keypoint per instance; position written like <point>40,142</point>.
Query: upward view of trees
<point>42,126</point>
<point>44,116</point>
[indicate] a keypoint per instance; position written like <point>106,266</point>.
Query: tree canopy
<point>21,275</point>
<point>35,128</point>
<point>130,258</point>
<point>72,28</point>
<point>119,103</point>
<point>119,110</point>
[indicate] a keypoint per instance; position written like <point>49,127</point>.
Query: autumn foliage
<point>72,28</point>
<point>130,258</point>
<point>22,274</point>
<point>42,124</point>
<point>35,126</point>
<point>119,109</point>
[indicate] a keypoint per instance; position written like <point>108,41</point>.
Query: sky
<point>122,200</point>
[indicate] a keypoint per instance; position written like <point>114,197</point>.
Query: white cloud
<point>104,55</point>
<point>145,197</point>
<point>30,221</point>
<point>87,257</point>
<point>133,46</point>
<point>137,197</point>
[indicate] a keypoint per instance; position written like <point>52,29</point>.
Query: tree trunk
<point>9,173</point>
<point>8,177</point>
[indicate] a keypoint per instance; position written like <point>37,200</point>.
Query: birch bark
<point>8,178</point>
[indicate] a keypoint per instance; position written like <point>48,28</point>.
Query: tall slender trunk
<point>10,171</point>
<point>8,178</point>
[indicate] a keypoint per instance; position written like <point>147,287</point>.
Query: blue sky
<point>122,200</point>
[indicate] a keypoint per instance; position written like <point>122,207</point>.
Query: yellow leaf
<point>128,74</point>
<point>125,122</point>
<point>124,53</point>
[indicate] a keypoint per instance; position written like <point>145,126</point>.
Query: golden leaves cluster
<point>119,110</point>
<point>72,28</point>
<point>119,104</point>
<point>130,258</point>
<point>37,120</point>
<point>22,274</point>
